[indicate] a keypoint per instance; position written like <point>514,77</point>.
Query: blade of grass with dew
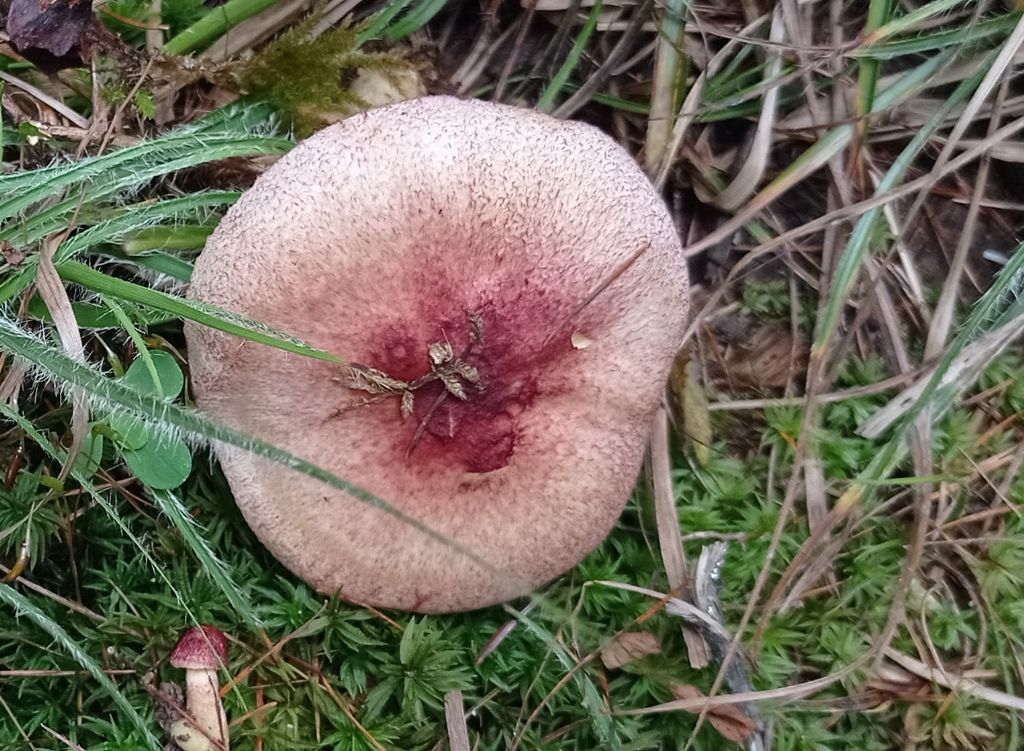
<point>22,606</point>
<point>602,722</point>
<point>215,23</point>
<point>550,94</point>
<point>111,395</point>
<point>208,315</point>
<point>857,247</point>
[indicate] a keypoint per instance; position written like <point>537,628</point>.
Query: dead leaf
<point>53,27</point>
<point>12,255</point>
<point>728,719</point>
<point>629,647</point>
<point>687,383</point>
<point>755,357</point>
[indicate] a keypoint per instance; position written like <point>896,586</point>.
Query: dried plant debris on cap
<point>455,253</point>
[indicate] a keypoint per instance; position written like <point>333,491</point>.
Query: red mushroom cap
<point>201,648</point>
<point>523,279</point>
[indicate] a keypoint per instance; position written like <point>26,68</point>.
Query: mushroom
<point>202,651</point>
<point>508,291</point>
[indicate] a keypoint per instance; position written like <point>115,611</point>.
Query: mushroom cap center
<point>454,399</point>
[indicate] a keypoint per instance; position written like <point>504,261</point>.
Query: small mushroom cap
<point>526,260</point>
<point>201,648</point>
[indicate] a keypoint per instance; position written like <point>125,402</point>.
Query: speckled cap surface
<point>512,291</point>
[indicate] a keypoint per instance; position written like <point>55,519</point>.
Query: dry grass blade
<point>784,694</point>
<point>992,78</point>
<point>55,104</point>
<point>691,105</point>
<point>956,682</point>
<point>455,718</point>
<point>942,318</point>
<point>669,79</point>
<point>963,370</point>
<point>670,540</point>
<point>55,297</point>
<point>841,214</point>
<point>755,162</point>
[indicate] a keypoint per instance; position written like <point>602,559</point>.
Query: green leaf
<point>90,455</point>
<point>140,378</point>
<point>162,464</point>
<point>130,433</point>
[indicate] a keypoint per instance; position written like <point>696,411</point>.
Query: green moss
<point>312,95</point>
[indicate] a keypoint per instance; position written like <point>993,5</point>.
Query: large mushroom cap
<point>518,275</point>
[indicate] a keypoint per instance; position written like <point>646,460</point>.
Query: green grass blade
<point>140,346</point>
<point>214,24</point>
<point>414,20</point>
<point>867,79</point>
<point>118,171</point>
<point>207,315</point>
<point>162,263</point>
<point>1001,303</point>
<point>381,21</point>
<point>558,81</point>
<point>983,32</point>
<point>119,224</point>
<point>908,21</point>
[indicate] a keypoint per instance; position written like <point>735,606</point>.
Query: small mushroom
<point>509,291</point>
<point>201,651</point>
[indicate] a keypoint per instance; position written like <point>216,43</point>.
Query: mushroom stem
<point>202,700</point>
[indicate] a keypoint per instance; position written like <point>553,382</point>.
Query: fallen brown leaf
<point>728,719</point>
<point>55,27</point>
<point>629,647</point>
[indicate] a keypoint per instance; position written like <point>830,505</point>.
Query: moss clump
<point>309,79</point>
